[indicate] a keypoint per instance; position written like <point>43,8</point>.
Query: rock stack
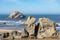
<point>16,15</point>
<point>44,28</point>
<point>30,25</point>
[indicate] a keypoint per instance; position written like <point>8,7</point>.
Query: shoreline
<point>8,30</point>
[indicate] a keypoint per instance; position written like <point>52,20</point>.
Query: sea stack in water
<point>16,15</point>
<point>47,28</point>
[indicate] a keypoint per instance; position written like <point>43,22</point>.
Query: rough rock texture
<point>46,28</point>
<point>31,30</point>
<point>30,21</point>
<point>30,25</point>
<point>24,33</point>
<point>16,15</point>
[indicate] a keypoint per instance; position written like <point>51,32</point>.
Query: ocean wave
<point>12,22</point>
<point>58,24</point>
<point>17,22</point>
<point>6,21</point>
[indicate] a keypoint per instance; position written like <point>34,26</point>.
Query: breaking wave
<point>12,22</point>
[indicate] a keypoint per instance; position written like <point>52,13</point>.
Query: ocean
<point>15,24</point>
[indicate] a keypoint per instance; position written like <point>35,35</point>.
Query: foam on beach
<point>12,22</point>
<point>18,24</point>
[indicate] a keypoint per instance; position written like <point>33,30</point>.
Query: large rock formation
<point>30,25</point>
<point>47,28</point>
<point>30,21</point>
<point>16,15</point>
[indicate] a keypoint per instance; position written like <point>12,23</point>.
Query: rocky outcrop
<point>44,28</point>
<point>16,15</point>
<point>47,28</point>
<point>30,21</point>
<point>30,25</point>
<point>24,33</point>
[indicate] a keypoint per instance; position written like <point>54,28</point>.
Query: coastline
<point>8,30</point>
<point>20,34</point>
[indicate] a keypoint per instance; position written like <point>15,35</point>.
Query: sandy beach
<point>35,39</point>
<point>9,30</point>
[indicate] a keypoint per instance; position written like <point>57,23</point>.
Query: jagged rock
<point>24,33</point>
<point>30,21</point>
<point>58,34</point>
<point>31,30</point>
<point>47,28</point>
<point>16,15</point>
<point>30,25</point>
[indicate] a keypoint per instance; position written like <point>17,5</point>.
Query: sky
<point>30,6</point>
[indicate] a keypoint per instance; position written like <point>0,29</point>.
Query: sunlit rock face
<point>16,15</point>
<point>46,28</point>
<point>30,25</point>
<point>30,21</point>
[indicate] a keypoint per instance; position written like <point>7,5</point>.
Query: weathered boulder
<point>16,15</point>
<point>16,34</point>
<point>30,25</point>
<point>31,30</point>
<point>47,28</point>
<point>30,21</point>
<point>58,34</point>
<point>24,33</point>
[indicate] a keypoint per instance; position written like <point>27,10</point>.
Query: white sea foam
<point>58,24</point>
<point>16,22</point>
<point>12,22</point>
<point>6,21</point>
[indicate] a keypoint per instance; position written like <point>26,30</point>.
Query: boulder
<point>46,28</point>
<point>58,34</point>
<point>24,33</point>
<point>31,30</point>
<point>30,21</point>
<point>16,15</point>
<point>30,25</point>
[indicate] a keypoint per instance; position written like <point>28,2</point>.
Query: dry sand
<point>34,39</point>
<point>9,30</point>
